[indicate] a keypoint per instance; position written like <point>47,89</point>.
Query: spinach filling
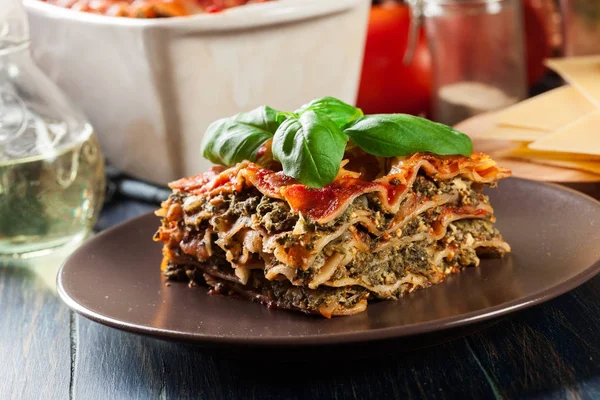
<point>388,266</point>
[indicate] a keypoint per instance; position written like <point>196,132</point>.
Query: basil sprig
<point>310,142</point>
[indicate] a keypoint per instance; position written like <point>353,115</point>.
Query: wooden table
<point>48,352</point>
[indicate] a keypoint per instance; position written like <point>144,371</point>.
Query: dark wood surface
<point>47,352</point>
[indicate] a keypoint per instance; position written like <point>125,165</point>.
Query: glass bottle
<point>478,62</point>
<point>51,168</point>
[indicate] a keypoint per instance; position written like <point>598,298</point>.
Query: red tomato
<point>386,84</point>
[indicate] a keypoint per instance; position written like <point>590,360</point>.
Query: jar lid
<point>461,1</point>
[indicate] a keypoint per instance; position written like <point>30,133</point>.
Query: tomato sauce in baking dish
<point>150,8</point>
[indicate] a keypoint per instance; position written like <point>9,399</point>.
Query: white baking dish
<point>151,87</point>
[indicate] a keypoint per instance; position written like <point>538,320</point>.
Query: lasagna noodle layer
<point>327,203</point>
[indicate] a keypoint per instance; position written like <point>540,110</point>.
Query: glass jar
<point>51,168</point>
<point>581,27</point>
<point>478,62</point>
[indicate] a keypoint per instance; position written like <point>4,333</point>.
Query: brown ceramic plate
<point>114,279</point>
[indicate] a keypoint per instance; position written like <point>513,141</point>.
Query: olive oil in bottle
<point>48,200</point>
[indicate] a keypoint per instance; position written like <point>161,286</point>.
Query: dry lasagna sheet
<point>383,228</point>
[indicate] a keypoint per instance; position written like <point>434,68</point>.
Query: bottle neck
<point>14,30</point>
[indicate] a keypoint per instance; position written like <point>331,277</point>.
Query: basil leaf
<point>338,111</point>
<point>229,141</point>
<point>392,135</point>
<point>310,148</point>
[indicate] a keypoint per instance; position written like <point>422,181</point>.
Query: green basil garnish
<point>337,111</point>
<point>229,141</point>
<point>392,135</point>
<point>310,148</point>
<point>310,142</point>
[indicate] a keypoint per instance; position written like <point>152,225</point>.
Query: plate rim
<point>393,332</point>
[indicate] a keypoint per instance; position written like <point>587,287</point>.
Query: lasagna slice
<point>383,228</point>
